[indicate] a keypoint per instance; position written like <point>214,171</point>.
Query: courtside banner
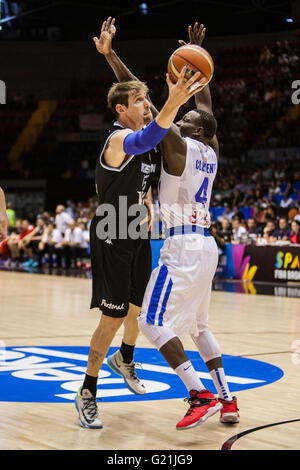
<point>262,263</point>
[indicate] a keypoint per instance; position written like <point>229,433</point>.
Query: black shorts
<point>121,270</point>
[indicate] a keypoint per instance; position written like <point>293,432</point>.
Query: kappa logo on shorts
<point>55,373</point>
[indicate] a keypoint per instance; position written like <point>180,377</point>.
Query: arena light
<point>5,12</point>
<point>6,15</point>
<point>289,20</point>
<point>143,8</point>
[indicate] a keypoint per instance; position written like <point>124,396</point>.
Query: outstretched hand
<point>108,30</point>
<point>184,89</point>
<point>196,35</point>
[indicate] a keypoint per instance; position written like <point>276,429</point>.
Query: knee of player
<point>157,335</point>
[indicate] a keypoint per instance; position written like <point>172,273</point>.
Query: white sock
<point>220,383</point>
<point>189,376</point>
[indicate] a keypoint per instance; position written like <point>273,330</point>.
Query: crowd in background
<point>57,240</point>
<point>251,92</point>
<point>61,239</point>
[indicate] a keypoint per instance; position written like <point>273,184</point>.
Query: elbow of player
<point>140,142</point>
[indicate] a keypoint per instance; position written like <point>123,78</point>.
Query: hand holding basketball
<point>183,89</point>
<point>192,54</point>
<point>196,58</point>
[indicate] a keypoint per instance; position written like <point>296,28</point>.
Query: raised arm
<point>202,98</point>
<point>173,145</point>
<point>104,46</point>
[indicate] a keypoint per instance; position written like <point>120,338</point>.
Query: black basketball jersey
<point>132,179</point>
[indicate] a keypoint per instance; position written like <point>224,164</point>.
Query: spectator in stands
<point>259,214</point>
<point>228,212</point>
<point>297,216</point>
<point>15,240</point>
<point>283,232</point>
<point>26,229</point>
<point>237,213</point>
<point>253,230</point>
<point>269,199</point>
<point>269,231</point>
<point>62,219</point>
<point>216,228</point>
<point>75,246</point>
<point>85,231</point>
<point>271,213</point>
<point>29,244</point>
<point>274,186</point>
<point>266,56</point>
<point>295,234</point>
<point>287,201</point>
<point>237,230</point>
<point>70,208</point>
<point>249,198</point>
<point>237,197</point>
<point>226,230</point>
<point>16,230</point>
<point>51,244</point>
<point>13,234</point>
<point>11,215</point>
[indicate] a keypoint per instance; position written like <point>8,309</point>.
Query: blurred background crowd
<point>61,239</point>
<point>52,129</point>
<point>251,93</point>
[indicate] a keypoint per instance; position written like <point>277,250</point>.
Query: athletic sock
<point>90,383</point>
<point>189,376</point>
<point>126,351</point>
<point>220,383</point>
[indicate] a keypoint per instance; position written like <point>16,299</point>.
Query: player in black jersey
<point>120,255</point>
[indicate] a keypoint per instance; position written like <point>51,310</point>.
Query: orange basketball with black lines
<point>195,58</point>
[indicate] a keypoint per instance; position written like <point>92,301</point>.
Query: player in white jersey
<point>177,298</point>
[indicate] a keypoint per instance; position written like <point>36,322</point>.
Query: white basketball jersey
<point>185,199</point>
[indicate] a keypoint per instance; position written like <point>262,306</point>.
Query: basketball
<point>195,58</point>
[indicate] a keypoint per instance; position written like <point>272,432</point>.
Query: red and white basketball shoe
<point>202,405</point>
<point>229,412</point>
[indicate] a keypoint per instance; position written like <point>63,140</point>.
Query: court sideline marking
<point>228,444</point>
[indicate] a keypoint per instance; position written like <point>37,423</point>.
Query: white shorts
<point>179,290</point>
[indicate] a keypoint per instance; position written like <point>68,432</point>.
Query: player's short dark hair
<point>119,93</point>
<point>208,122</point>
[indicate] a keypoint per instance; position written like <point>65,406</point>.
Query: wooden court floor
<point>41,310</point>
